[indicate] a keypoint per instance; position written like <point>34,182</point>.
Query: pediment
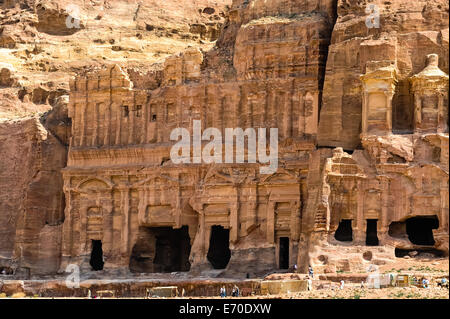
<point>94,184</point>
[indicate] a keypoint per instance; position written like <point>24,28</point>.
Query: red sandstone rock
<point>377,96</point>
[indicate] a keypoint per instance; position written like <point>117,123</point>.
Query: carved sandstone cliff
<point>38,54</point>
<point>328,85</point>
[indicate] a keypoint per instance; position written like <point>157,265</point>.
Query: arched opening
<point>284,253</point>
<point>96,261</point>
<point>420,229</point>
<point>344,231</point>
<point>219,253</point>
<point>371,233</point>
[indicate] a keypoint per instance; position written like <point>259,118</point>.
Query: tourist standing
<point>223,292</point>
<point>311,271</point>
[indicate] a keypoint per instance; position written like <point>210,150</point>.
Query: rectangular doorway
<point>284,253</point>
<point>371,233</point>
<point>219,253</point>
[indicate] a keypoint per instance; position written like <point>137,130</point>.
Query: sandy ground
<point>426,265</point>
<point>346,293</point>
<point>431,268</point>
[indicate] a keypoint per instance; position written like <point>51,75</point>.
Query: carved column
<point>234,221</point>
<point>270,222</point>
<point>442,114</point>
<point>417,112</point>
<point>143,132</point>
<point>360,222</point>
<point>364,113</point>
<point>142,191</point>
<point>107,126</point>
<point>444,205</point>
<point>119,125</point>
<point>83,125</point>
<point>108,236</point>
<point>83,229</point>
<point>125,211</point>
<point>295,220</point>
<point>76,120</point>
<point>131,116</point>
<point>383,227</point>
<point>202,231</point>
<point>389,96</point>
<point>145,121</point>
<point>234,215</point>
<point>67,242</point>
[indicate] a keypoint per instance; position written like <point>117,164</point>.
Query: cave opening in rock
<point>284,253</point>
<point>161,249</point>
<point>96,261</point>
<point>420,229</point>
<point>397,230</point>
<point>422,252</point>
<point>219,253</point>
<point>344,231</point>
<point>371,233</point>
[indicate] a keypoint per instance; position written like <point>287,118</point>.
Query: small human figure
<point>309,284</point>
<point>295,267</point>
<point>311,271</point>
<point>223,292</point>
<point>89,294</point>
<point>425,283</point>
<point>414,281</point>
<point>362,284</point>
<point>342,285</point>
<point>183,292</point>
<point>443,283</point>
<point>235,291</point>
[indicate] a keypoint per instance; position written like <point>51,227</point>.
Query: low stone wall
<point>126,288</point>
<point>275,287</point>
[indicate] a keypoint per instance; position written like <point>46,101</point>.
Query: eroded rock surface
<point>362,118</point>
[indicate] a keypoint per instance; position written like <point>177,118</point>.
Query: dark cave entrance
<point>219,253</point>
<point>172,251</point>
<point>371,233</point>
<point>284,253</point>
<point>96,261</point>
<point>400,253</point>
<point>420,230</point>
<point>161,249</point>
<point>344,231</point>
